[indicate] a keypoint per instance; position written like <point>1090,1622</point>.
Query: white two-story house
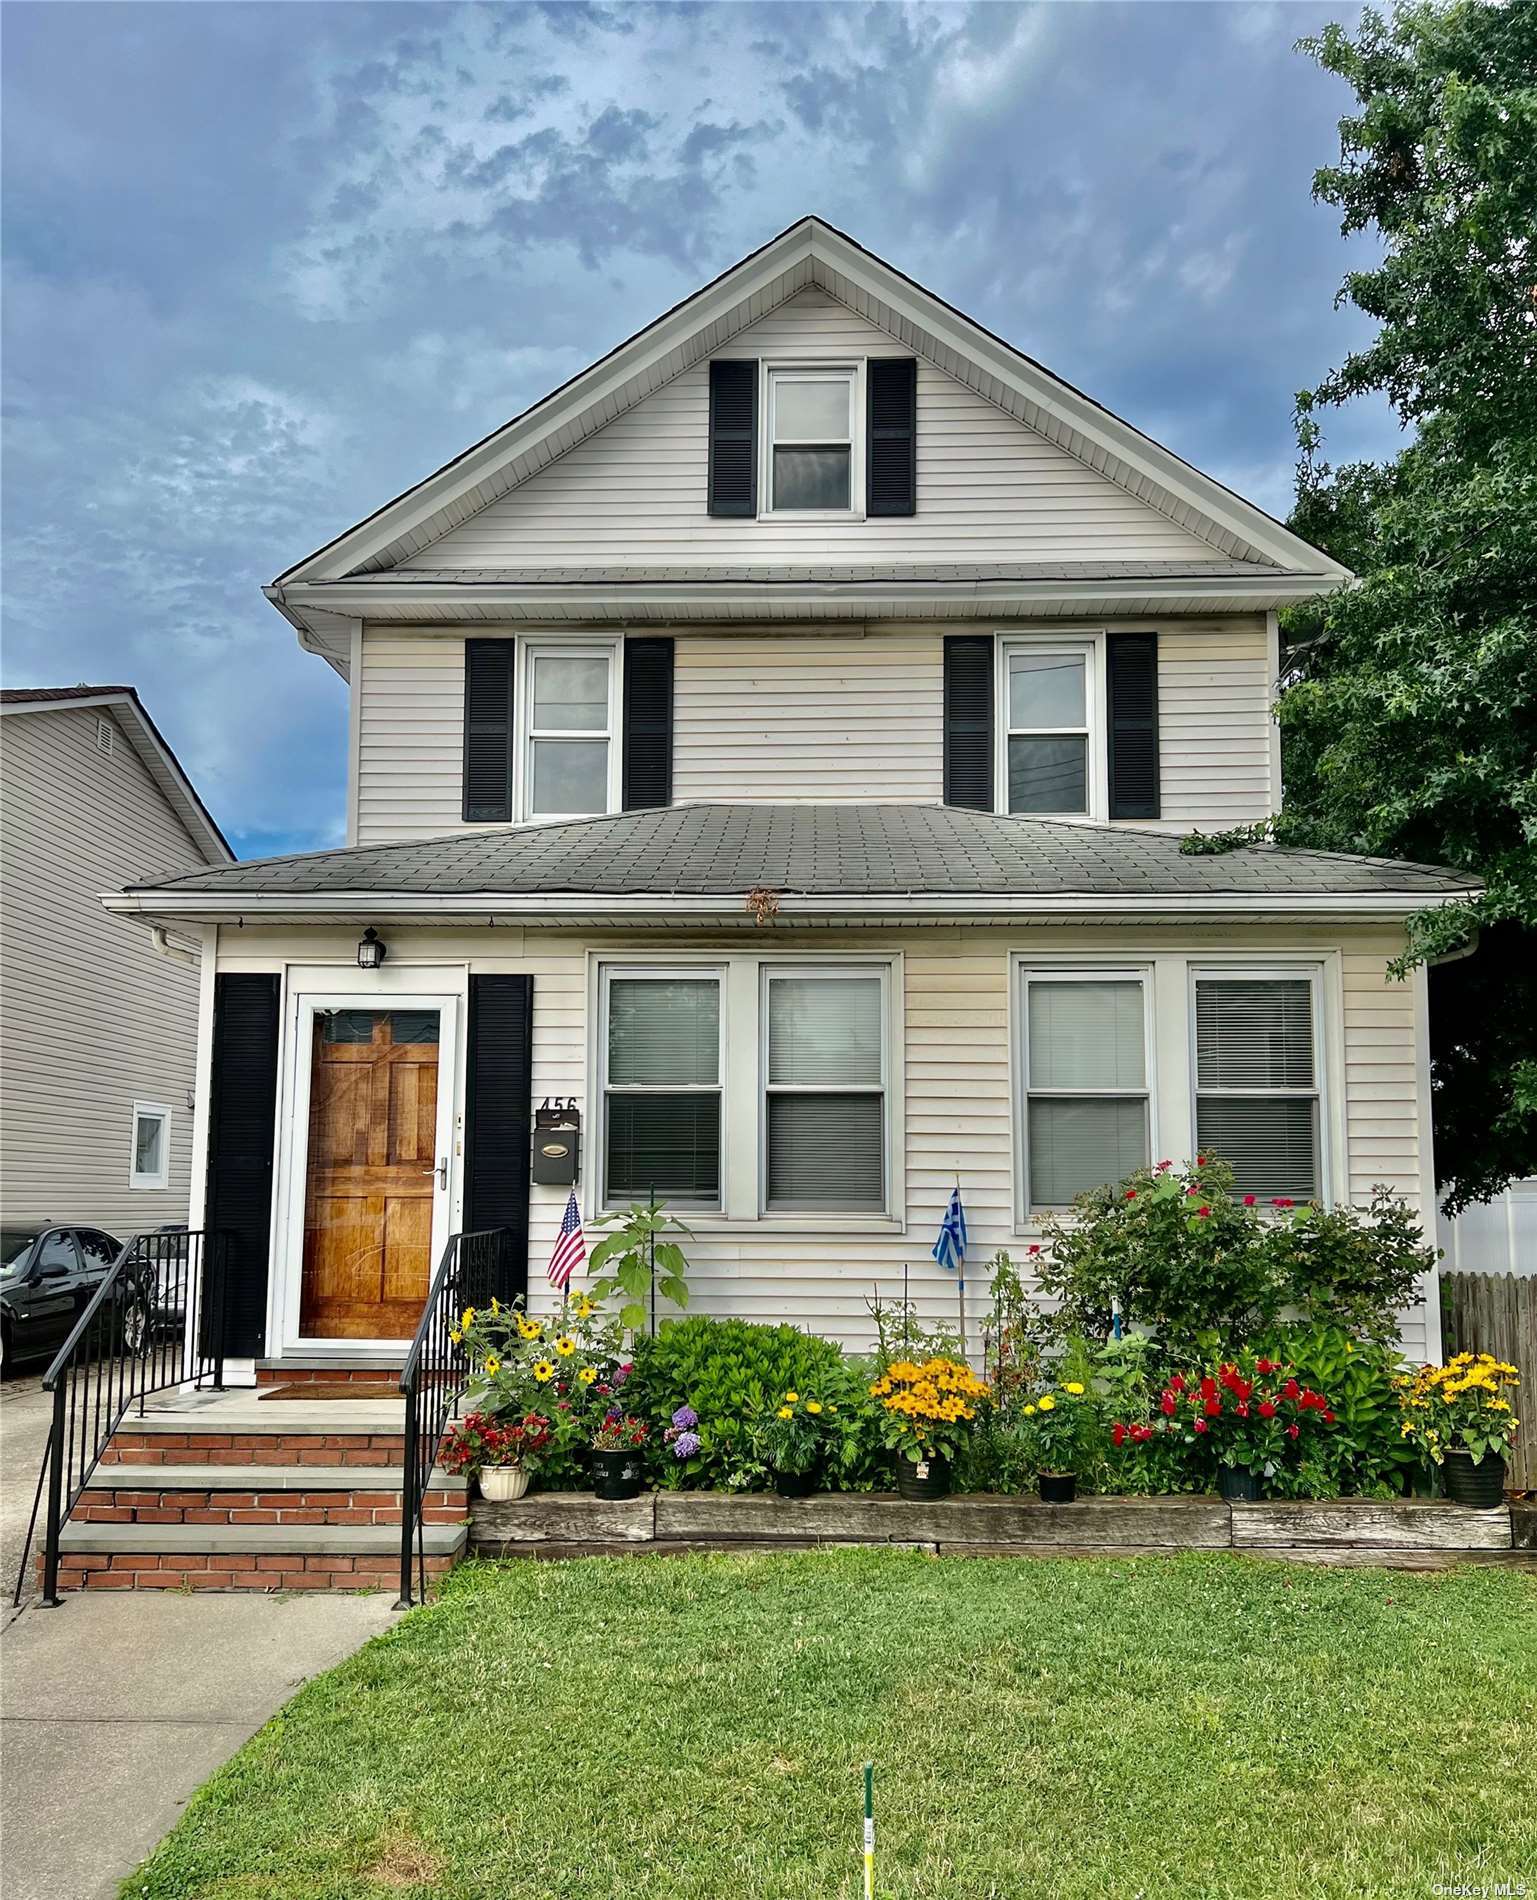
<point>775,744</point>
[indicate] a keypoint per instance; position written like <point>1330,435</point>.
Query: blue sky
<point>268,265</point>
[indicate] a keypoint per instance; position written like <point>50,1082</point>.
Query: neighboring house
<point>776,743</point>
<point>98,1020</point>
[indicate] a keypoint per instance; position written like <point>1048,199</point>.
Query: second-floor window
<point>1051,730</point>
<point>570,754</point>
<point>811,416</point>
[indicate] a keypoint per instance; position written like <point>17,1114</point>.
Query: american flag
<point>570,1247</point>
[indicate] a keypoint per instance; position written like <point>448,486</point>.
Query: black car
<point>47,1277</point>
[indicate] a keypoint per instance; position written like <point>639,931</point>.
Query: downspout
<point>177,952</point>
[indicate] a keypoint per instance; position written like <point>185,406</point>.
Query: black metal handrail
<point>157,1320</point>
<point>473,1268</point>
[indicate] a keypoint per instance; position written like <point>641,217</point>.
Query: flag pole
<point>960,1282</point>
<point>869,1830</point>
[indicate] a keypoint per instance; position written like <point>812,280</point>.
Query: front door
<point>376,1170</point>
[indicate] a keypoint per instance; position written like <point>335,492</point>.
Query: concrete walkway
<point>114,1709</point>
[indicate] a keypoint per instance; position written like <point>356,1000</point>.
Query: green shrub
<point>1364,1453</point>
<point>1351,1268</point>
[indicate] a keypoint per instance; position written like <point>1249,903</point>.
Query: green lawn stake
<point>869,1830</point>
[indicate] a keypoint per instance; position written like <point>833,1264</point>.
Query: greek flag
<point>950,1248</point>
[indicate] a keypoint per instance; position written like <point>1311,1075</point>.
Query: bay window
<point>1084,1066</point>
<point>824,1090</point>
<point>661,1076</point>
<point>1256,1080</point>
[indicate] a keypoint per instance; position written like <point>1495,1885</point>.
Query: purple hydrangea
<point>686,1443</point>
<point>685,1418</point>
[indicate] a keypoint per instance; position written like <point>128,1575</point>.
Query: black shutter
<point>733,486</point>
<point>488,675</point>
<point>1132,701</point>
<point>647,723</point>
<point>498,1115</point>
<point>969,766</point>
<point>891,404</point>
<point>242,1123</point>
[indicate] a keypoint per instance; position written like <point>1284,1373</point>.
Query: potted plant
<point>1247,1418</point>
<point>926,1413</point>
<point>792,1440</point>
<point>502,1456</point>
<point>1053,1425</point>
<point>618,1455</point>
<point>1461,1414</point>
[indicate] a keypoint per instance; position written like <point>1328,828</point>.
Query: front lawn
<point>693,1728</point>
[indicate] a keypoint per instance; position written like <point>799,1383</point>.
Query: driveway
<point>115,1708</point>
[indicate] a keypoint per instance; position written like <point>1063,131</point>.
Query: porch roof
<point>818,859</point>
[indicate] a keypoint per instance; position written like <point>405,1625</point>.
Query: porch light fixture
<point>371,952</point>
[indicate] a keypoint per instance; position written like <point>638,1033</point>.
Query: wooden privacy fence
<point>1497,1312</point>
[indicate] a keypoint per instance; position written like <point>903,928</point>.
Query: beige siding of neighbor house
<point>955,1103</point>
<point>815,715</point>
<point>92,1018</point>
<point>989,488</point>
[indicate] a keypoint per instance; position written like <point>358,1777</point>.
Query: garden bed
<point>1409,1533</point>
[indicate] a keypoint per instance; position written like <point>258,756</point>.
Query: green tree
<point>1409,717</point>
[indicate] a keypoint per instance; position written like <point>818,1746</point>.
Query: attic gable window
<point>812,441</point>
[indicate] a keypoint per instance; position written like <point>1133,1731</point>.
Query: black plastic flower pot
<point>1480,1486</point>
<point>926,1480</point>
<point>1058,1487</point>
<point>1238,1484</point>
<point>617,1474</point>
<point>795,1484</point>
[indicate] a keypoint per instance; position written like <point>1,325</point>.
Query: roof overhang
<point>810,252</point>
<point>890,910</point>
<point>153,753</point>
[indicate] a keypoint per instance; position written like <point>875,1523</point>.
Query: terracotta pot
<point>503,1484</point>
<point>1480,1486</point>
<point>924,1481</point>
<point>1058,1487</point>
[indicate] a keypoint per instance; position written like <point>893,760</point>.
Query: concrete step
<point>245,1557</point>
<point>257,1494</point>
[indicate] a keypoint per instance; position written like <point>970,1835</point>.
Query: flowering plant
<point>618,1431</point>
<point>682,1436</point>
<point>927,1408</point>
<point>793,1437</point>
<point>1248,1413</point>
<point>1054,1425</point>
<point>481,1443</point>
<point>1461,1406</point>
<point>566,1365</point>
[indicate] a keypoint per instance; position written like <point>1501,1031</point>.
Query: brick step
<point>249,1431</point>
<point>245,1556</point>
<point>258,1494</point>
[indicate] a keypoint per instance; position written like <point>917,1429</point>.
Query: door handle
<point>441,1171</point>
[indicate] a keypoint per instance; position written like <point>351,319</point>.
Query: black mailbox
<point>557,1143</point>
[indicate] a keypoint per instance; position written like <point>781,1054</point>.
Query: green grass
<point>694,1727</point>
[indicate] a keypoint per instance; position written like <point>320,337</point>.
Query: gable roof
<point>809,252</point>
<point>823,860</point>
<point>144,736</point>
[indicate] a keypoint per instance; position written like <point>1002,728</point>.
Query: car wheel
<point>136,1327</point>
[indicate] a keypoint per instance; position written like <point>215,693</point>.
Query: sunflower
<point>493,1367</point>
<point>529,1329</point>
<point>587,1375</point>
<point>583,1307</point>
<point>544,1371</point>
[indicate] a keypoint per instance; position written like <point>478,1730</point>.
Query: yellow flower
<point>544,1371</point>
<point>496,1307</point>
<point>791,1398</point>
<point>784,1412</point>
<point>582,1306</point>
<point>493,1367</point>
<point>1029,1411</point>
<point>813,1406</point>
<point>587,1375</point>
<point>1074,1387</point>
<point>565,1345</point>
<point>1048,1403</point>
<point>456,1336</point>
<point>467,1318</point>
<point>530,1329</point>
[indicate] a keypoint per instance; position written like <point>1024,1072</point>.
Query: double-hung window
<point>661,1055</point>
<point>150,1161</point>
<point>570,758</point>
<point>1084,1065</point>
<point>1256,1080</point>
<point>1049,741</point>
<point>825,1114</point>
<point>811,440</point>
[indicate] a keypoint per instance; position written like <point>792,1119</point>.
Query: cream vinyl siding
<point>989,487</point>
<point>821,717</point>
<point>958,1113</point>
<point>92,1017</point>
<point>814,715</point>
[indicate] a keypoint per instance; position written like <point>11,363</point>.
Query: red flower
<point>1266,1365</point>
<point>1243,1408</point>
<point>1200,1424</point>
<point>1214,1408</point>
<point>1208,1387</point>
<point>1266,1409</point>
<point>1280,1200</point>
<point>1131,1194</point>
<point>1163,1167</point>
<point>1118,1434</point>
<point>1168,1403</point>
<point>1201,1160</point>
<point>1140,1434</point>
<point>1291,1390</point>
<point>1033,1249</point>
<point>1291,1431</point>
<point>1203,1213</point>
<point>1328,1417</point>
<point>1249,1200</point>
<point>1191,1192</point>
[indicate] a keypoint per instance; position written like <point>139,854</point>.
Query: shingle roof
<point>806,573</point>
<point>858,851</point>
<point>20,695</point>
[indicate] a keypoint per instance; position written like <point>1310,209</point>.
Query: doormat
<point>342,1389</point>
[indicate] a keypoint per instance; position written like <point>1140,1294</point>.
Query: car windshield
<point>14,1243</point>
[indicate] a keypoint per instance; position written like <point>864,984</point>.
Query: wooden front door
<point>371,1172</point>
